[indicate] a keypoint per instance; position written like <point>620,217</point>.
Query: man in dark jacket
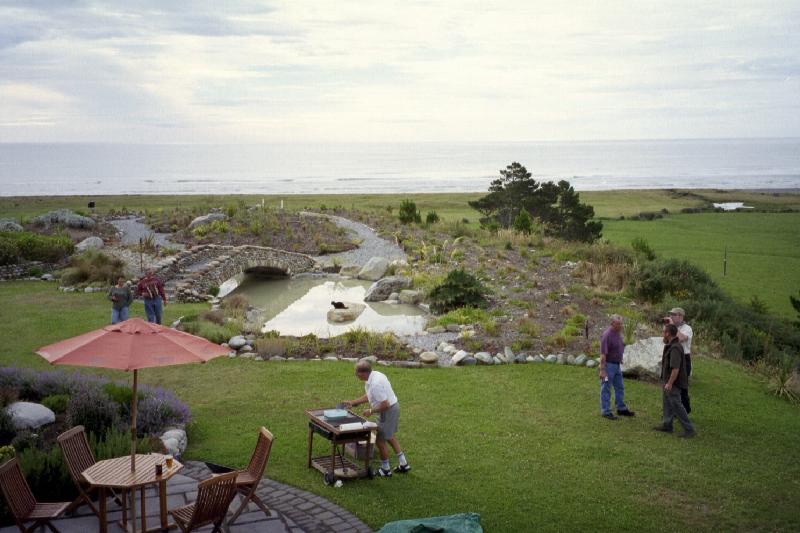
<point>674,379</point>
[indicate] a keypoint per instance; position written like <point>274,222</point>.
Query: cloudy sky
<point>305,70</point>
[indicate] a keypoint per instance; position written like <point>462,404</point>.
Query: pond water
<point>299,306</point>
<point>731,206</point>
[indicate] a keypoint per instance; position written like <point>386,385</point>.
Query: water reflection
<point>299,306</point>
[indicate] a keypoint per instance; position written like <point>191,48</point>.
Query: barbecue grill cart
<point>339,427</point>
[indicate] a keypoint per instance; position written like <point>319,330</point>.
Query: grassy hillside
<point>523,445</point>
<point>763,250</point>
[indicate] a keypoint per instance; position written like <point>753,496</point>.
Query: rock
<point>89,243</point>
<point>643,358</point>
<point>7,224</point>
<point>484,358</point>
<point>425,307</point>
<point>179,436</point>
<point>571,359</point>
<point>509,353</point>
<point>520,359</point>
<point>459,356</point>
<point>398,263</point>
<point>27,415</point>
<point>277,358</point>
<point>501,357</point>
<point>206,219</point>
<point>538,359</point>
<point>561,359</point>
<point>237,342</point>
<point>429,358</point>
<point>371,358</point>
<point>350,270</point>
<point>381,289</point>
<point>47,277</point>
<point>171,446</point>
<point>375,268</point>
<point>581,359</point>
<point>449,348</point>
<point>246,348</point>
<point>453,328</point>
<point>410,297</point>
<point>591,363</point>
<point>552,358</point>
<point>496,361</point>
<point>469,361</point>
<point>330,358</point>
<point>436,329</point>
<point>346,315</point>
<point>442,345</point>
<point>65,217</point>
<point>394,296</point>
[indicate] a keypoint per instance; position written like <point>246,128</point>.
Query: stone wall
<point>20,271</point>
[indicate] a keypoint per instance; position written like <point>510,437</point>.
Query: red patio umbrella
<point>131,345</point>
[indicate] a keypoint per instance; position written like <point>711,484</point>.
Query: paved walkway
<point>293,510</point>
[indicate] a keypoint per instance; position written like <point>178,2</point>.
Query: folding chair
<point>248,479</point>
<point>214,495</point>
<point>23,504</point>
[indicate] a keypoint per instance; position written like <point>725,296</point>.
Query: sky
<point>195,71</point>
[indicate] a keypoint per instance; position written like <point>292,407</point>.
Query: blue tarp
<point>457,523</point>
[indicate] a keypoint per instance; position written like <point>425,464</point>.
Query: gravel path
<point>132,229</point>
<point>429,342</point>
<point>370,244</point>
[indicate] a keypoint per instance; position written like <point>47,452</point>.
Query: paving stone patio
<point>293,510</point>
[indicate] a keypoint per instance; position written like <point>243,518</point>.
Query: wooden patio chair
<point>248,479</point>
<point>23,504</point>
<point>78,457</point>
<point>214,495</point>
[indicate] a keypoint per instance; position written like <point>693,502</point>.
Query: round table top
<point>116,472</point>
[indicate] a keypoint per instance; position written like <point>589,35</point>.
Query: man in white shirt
<point>676,316</point>
<point>383,401</point>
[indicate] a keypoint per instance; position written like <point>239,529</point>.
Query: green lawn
<point>522,445</point>
<point>763,250</point>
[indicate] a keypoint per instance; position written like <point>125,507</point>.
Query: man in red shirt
<point>151,289</point>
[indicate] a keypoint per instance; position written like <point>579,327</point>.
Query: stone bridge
<point>190,274</point>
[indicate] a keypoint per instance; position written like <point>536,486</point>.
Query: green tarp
<point>457,523</point>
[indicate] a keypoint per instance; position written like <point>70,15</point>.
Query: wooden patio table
<point>116,474</point>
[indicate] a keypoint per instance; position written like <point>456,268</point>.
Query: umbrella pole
<point>133,421</point>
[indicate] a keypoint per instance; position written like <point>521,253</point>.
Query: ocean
<point>342,168</point>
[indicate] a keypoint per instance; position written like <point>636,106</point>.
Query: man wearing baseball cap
<point>676,316</point>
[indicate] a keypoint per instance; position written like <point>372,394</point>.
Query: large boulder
<point>237,342</point>
<point>346,315</point>
<point>381,289</point>
<point>7,224</point>
<point>410,297</point>
<point>175,441</point>
<point>206,219</point>
<point>643,358</point>
<point>89,243</point>
<point>65,217</point>
<point>27,415</point>
<point>374,269</point>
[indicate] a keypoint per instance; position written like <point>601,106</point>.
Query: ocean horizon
<point>48,169</point>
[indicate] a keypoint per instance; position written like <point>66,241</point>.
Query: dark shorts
<point>388,422</point>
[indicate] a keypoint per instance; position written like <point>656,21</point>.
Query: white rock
<point>237,342</point>
<point>643,358</point>
<point>374,270</point>
<point>450,349</point>
<point>346,315</point>
<point>206,219</point>
<point>246,348</point>
<point>330,358</point>
<point>171,446</point>
<point>429,358</point>
<point>496,360</point>
<point>591,363</point>
<point>552,358</point>
<point>89,243</point>
<point>459,356</point>
<point>179,436</point>
<point>381,289</point>
<point>28,415</point>
<point>484,358</point>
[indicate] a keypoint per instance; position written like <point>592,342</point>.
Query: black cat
<point>338,305</point>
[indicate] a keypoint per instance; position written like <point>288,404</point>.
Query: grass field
<point>522,445</point>
<point>763,250</point>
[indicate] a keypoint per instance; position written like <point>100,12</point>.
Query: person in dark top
<point>674,379</point>
<point>121,298</point>
<point>151,289</point>
<point>612,347</point>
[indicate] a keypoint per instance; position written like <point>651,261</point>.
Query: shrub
<point>523,223</point>
<point>236,303</point>
<point>35,247</point>
<point>216,316</point>
<point>92,266</point>
<point>209,330</point>
<point>56,402</point>
<point>213,290</point>
<point>91,408</point>
<point>6,453</point>
<point>158,412</point>
<point>432,217</point>
<point>459,289</point>
<point>9,251</point>
<point>270,347</point>
<point>7,430</point>
<point>674,277</point>
<point>642,247</point>
<point>408,212</point>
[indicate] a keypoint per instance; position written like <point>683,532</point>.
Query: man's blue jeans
<point>152,308</point>
<point>119,315</point>
<point>614,378</point>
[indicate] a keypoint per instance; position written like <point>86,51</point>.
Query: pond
<point>299,306</point>
<point>731,206</point>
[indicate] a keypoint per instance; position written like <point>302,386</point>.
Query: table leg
<point>133,509</point>
<point>333,458</point>
<point>103,511</point>
<point>144,510</point>
<point>162,500</point>
<point>310,440</point>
